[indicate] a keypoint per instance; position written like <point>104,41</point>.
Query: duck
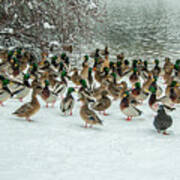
<point>5,92</point>
<point>113,88</point>
<point>29,109</point>
<point>84,90</point>
<point>133,78</point>
<point>147,83</point>
<point>60,87</point>
<point>84,71</point>
<point>128,108</point>
<point>159,90</point>
<point>138,93</point>
<point>156,70</point>
<point>88,115</point>
<point>100,76</point>
<point>105,62</point>
<point>75,78</point>
<point>96,91</point>
<point>153,101</point>
<point>22,89</point>
<point>47,95</point>
<point>168,66</point>
<point>67,103</point>
<point>103,103</point>
<point>162,121</point>
<point>145,71</point>
<point>125,67</point>
<point>105,52</point>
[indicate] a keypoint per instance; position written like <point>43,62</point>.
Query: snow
<point>48,26</point>
<point>57,147</point>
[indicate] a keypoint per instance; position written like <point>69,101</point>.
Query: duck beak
<point>11,83</point>
<point>146,90</point>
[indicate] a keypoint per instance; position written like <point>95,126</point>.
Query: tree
<point>37,23</point>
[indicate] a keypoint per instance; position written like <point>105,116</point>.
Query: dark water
<point>144,28</point>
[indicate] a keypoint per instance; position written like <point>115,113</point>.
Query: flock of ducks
<point>98,82</point>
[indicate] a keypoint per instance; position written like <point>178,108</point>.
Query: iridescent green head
<point>5,82</point>
<point>156,61</point>
<point>126,93</point>
<point>126,62</point>
<point>155,78</point>
<point>145,63</point>
<point>19,51</point>
<point>35,65</point>
<point>134,70</point>
<point>119,63</point>
<point>27,76</point>
<point>114,74</point>
<point>54,58</point>
<point>178,61</point>
<point>15,60</point>
<point>63,55</point>
<point>86,57</point>
<point>177,67</point>
<point>106,69</point>
<point>96,59</point>
<point>111,64</point>
<point>47,82</point>
<point>90,69</point>
<point>173,83</point>
<point>152,89</point>
<point>138,85</point>
<point>70,90</point>
<point>10,53</point>
<point>83,83</point>
<point>63,74</point>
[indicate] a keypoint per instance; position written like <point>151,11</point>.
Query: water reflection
<point>144,28</point>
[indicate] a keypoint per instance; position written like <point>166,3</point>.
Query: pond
<point>144,28</point>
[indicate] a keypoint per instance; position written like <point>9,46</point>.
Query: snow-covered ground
<point>55,147</point>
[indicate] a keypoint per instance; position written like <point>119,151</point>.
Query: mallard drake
<point>159,90</point>
<point>88,115</point>
<point>156,70</point>
<point>153,101</point>
<point>128,108</point>
<point>138,93</point>
<point>100,76</point>
<point>144,70</point>
<point>120,57</point>
<point>83,91</point>
<point>125,67</point>
<point>47,95</point>
<point>30,108</point>
<point>67,103</point>
<point>60,86</point>
<point>133,78</point>
<point>22,90</point>
<point>103,103</point>
<point>5,93</point>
